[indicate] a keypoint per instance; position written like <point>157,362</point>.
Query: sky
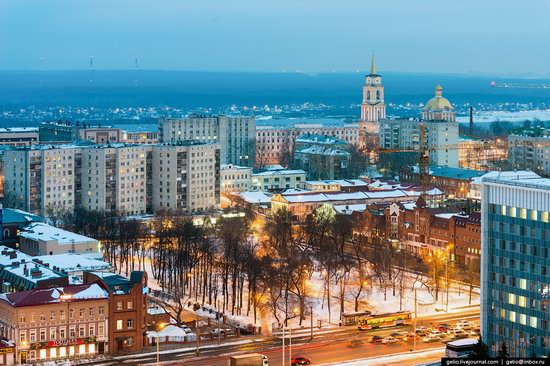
<point>504,37</point>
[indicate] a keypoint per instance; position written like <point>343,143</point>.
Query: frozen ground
<point>519,116</point>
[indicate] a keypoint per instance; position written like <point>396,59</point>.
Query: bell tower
<point>373,109</point>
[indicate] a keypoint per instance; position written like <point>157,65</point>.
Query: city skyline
<point>243,36</point>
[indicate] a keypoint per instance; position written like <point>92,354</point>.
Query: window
<point>521,301</point>
<point>81,331</point>
<point>100,329</point>
<point>32,335</point>
<point>119,325</point>
<point>22,318</point>
<point>62,314</point>
<point>52,334</point>
<point>33,318</point>
<point>91,330</point>
<point>523,283</point>
<point>42,317</point>
<point>130,342</point>
<point>523,213</point>
<point>130,324</point>
<point>62,334</point>
<point>72,332</point>
<point>512,316</point>
<point>42,335</point>
<point>130,304</point>
<point>52,315</point>
<point>119,305</point>
<point>71,313</point>
<point>23,336</point>
<point>91,311</point>
<point>101,310</point>
<point>81,312</point>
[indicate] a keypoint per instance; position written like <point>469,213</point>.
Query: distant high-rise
<point>235,134</point>
<point>515,264</point>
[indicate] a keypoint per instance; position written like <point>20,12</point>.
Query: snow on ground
<point>371,299</point>
<point>517,116</point>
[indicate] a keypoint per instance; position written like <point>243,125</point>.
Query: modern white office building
<point>235,134</point>
<point>515,265</point>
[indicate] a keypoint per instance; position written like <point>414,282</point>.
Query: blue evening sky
<point>508,37</point>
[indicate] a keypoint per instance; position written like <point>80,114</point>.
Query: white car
<point>457,334</point>
<point>436,333</point>
<point>422,330</point>
<point>390,340</point>
<point>431,338</point>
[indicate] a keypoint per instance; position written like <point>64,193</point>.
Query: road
<point>326,347</point>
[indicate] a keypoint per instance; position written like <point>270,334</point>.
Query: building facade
<point>40,178</point>
<point>116,178</point>
<point>275,140</point>
<point>19,136</point>
<point>235,178</point>
<point>322,162</point>
<point>530,151</point>
<point>277,179</point>
<point>482,154</point>
<point>186,176</point>
<point>441,132</point>
<point>515,262</point>
<point>56,323</point>
<point>67,132</point>
<point>235,134</point>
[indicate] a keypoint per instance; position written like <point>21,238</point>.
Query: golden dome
<point>438,102</point>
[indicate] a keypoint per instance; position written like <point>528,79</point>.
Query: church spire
<point>373,65</point>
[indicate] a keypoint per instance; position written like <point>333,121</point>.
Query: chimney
<point>13,255</point>
<point>36,272</point>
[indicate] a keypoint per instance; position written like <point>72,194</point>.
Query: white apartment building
<point>530,152</point>
<point>235,134</point>
<point>277,179</point>
<point>186,176</point>
<point>131,179</point>
<point>115,178</point>
<point>235,178</point>
<point>275,140</point>
<point>40,177</point>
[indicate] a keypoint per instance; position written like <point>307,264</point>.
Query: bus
<point>376,321</point>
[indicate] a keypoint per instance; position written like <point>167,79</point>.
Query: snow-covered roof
<point>234,167</point>
<point>349,209</point>
<point>354,196</point>
<point>9,255</point>
<point>321,150</point>
<point>55,295</point>
<point>18,129</point>
<point>255,197</point>
<point>25,271</point>
<point>168,331</point>
<point>71,262</point>
<point>340,182</point>
<point>508,175</point>
<point>463,342</point>
<point>43,232</point>
<point>279,172</point>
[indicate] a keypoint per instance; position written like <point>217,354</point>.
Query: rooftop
<point>14,216</point>
<point>18,129</point>
<point>301,123</point>
<point>320,139</point>
<point>321,150</point>
<point>55,295</point>
<point>279,172</point>
<point>44,232</point>
<point>71,262</point>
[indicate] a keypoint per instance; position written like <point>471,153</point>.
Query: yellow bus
<point>376,321</point>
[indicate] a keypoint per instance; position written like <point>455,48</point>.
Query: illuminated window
<point>544,217</point>
<point>512,316</point>
<point>512,212</point>
<point>534,321</point>
<point>503,210</point>
<point>511,299</point>
<point>502,313</point>
<point>521,301</point>
<point>82,349</point>
<point>534,215</point>
<point>119,325</point>
<point>523,213</point>
<point>523,319</point>
<point>523,284</point>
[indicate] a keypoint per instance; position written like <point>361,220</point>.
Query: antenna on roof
<point>91,69</point>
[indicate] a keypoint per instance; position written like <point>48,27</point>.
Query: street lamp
<point>159,327</point>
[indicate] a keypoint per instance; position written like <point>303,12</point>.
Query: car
<point>476,331</point>
<point>436,333</point>
<point>422,330</point>
<point>364,327</point>
<point>390,340</point>
<point>375,339</point>
<point>443,327</point>
<point>457,333</point>
<point>355,343</point>
<point>431,338</point>
<point>462,322</point>
<point>187,330</point>
<point>465,326</point>
<point>399,335</point>
<point>410,337</point>
<point>296,361</point>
